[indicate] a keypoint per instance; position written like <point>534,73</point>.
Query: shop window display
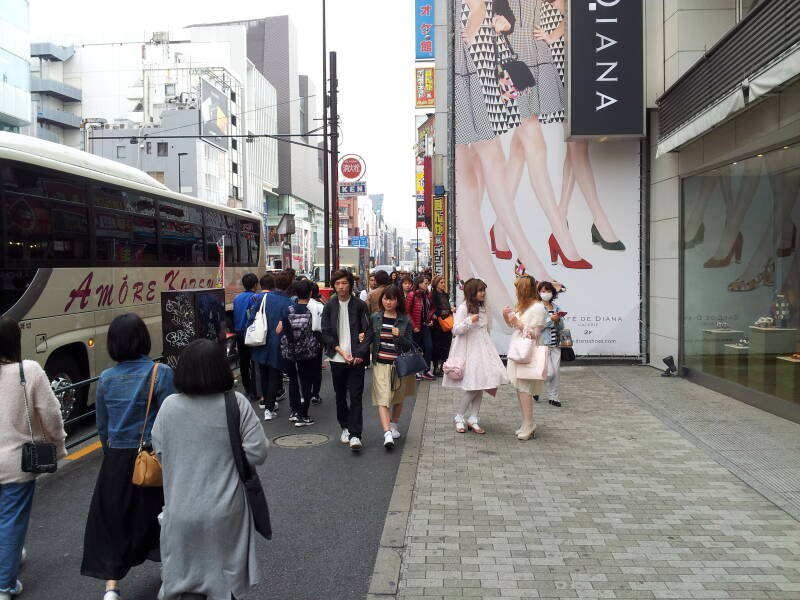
<point>741,273</point>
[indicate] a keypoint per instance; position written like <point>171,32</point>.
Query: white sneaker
<point>345,437</point>
<point>268,416</point>
<point>394,430</point>
<point>112,595</point>
<point>15,592</point>
<point>355,444</point>
<point>388,440</point>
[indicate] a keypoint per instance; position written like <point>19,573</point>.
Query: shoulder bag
<point>253,490</point>
<point>256,333</point>
<point>446,323</point>
<point>565,341</point>
<point>536,368</point>
<point>520,350</point>
<point>146,468</point>
<point>411,361</point>
<point>37,457</point>
<point>453,367</point>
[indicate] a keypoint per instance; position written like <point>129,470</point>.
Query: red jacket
<point>414,302</point>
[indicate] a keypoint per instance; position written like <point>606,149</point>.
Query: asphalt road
<point>328,506</point>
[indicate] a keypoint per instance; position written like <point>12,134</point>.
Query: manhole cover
<point>301,440</point>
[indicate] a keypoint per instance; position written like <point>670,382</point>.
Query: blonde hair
<point>526,293</point>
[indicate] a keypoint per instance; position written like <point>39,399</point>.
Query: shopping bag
<point>537,367</point>
<point>520,350</point>
<point>256,334</point>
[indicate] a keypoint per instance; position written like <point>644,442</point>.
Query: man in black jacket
<point>347,335</point>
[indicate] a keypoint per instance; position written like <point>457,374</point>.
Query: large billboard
<point>214,115</point>
<point>530,202</point>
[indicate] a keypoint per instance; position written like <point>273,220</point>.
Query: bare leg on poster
<point>473,249</point>
<point>732,241</point>
<point>578,168</point>
<point>493,163</point>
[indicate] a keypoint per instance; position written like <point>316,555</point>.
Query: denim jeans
<point>424,340</point>
<point>16,500</point>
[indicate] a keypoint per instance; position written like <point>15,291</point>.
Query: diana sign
<point>605,65</point>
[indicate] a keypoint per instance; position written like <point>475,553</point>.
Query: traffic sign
<point>359,241</point>
<point>353,188</point>
<point>352,166</point>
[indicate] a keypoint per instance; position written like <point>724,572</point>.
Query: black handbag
<point>567,354</point>
<point>37,457</point>
<point>410,362</point>
<point>254,491</point>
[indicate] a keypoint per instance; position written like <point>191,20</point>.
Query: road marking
<point>84,451</point>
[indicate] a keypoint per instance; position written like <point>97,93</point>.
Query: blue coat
<point>270,353</point>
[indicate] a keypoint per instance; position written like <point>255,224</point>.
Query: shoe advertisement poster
<point>566,212</point>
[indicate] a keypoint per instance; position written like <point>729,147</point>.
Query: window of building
<point>149,147</point>
<point>236,192</point>
<point>122,151</point>
<point>234,143</point>
<point>234,167</point>
<point>741,314</point>
<point>233,120</point>
<point>162,149</point>
<point>157,175</point>
<point>233,96</point>
<point>169,89</point>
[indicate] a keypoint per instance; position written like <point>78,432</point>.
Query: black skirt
<point>122,528</point>
<point>441,342</point>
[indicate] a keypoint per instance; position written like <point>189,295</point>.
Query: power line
<point>134,139</point>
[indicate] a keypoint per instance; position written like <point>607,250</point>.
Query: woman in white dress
<point>483,369</point>
<point>528,318</point>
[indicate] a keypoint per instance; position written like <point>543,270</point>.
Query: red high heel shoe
<point>736,253</point>
<point>501,254</point>
<point>555,252</point>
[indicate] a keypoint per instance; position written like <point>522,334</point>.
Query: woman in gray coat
<point>208,547</point>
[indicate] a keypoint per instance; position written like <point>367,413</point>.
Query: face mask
<point>546,296</point>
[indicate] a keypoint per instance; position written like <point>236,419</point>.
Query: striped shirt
<point>554,341</point>
<point>387,351</point>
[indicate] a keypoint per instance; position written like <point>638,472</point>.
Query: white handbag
<point>256,334</point>
<point>520,350</point>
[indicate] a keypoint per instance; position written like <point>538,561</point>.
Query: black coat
<point>359,323</point>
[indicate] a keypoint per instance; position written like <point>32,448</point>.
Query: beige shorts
<point>382,394</point>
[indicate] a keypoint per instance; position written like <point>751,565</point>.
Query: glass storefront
<point>741,273</point>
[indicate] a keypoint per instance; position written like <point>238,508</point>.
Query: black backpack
<point>298,341</point>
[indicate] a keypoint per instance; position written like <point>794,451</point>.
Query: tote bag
<point>410,362</point>
<point>520,350</point>
<point>537,367</point>
<point>256,334</point>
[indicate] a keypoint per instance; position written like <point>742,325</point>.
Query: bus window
<point>248,243</point>
<point>212,255</point>
<point>45,230</point>
<point>181,243</point>
<point>125,238</point>
<point>41,182</point>
<point>177,211</point>
<point>130,201</point>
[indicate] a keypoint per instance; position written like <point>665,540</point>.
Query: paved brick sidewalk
<point>608,501</point>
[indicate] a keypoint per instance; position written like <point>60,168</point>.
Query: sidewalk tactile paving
<point>608,501</point>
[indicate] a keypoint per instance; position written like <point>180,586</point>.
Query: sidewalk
<point>639,487</point>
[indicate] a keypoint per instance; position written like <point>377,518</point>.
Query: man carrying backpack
<point>299,348</point>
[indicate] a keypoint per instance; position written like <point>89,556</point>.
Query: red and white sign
<point>352,167</point>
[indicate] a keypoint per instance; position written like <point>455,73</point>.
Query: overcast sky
<point>374,40</point>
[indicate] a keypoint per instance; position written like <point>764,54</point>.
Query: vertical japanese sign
<point>425,93</point>
<point>439,236</point>
<point>420,188</point>
<point>424,29</point>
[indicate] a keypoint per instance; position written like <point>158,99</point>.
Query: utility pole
<point>335,159</point>
<point>325,174</point>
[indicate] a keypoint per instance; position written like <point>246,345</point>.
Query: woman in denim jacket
<point>551,335</point>
<point>122,529</point>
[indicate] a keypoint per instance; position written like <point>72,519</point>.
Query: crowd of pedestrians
<point>194,512</point>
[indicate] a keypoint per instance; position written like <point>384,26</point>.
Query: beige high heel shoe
<point>523,435</point>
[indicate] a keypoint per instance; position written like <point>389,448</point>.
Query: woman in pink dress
<point>483,369</point>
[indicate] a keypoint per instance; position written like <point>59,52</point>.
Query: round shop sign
<point>352,166</point>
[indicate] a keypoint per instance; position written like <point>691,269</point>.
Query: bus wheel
<point>63,371</point>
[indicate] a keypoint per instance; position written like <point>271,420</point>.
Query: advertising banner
<point>439,236</point>
<point>424,11</point>
<point>530,203</point>
<point>420,189</point>
<point>606,68</point>
<point>425,93</point>
<point>214,115</point>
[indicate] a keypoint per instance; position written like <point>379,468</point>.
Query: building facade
<point>15,78</point>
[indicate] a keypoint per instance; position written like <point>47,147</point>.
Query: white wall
<point>261,155</point>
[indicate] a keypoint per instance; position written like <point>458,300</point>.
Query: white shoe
<point>345,437</point>
<point>268,416</point>
<point>355,444</point>
<point>388,440</point>
<point>15,592</point>
<point>112,595</point>
<point>394,430</point>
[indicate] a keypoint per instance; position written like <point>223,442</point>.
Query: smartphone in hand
<point>562,313</point>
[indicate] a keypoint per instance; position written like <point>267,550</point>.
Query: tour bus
<point>85,239</point>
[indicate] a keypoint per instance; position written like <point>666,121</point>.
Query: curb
<point>386,573</point>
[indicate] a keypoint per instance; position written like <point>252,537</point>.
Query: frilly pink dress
<point>483,369</point>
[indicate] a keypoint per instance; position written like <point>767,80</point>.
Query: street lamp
<point>180,188</point>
